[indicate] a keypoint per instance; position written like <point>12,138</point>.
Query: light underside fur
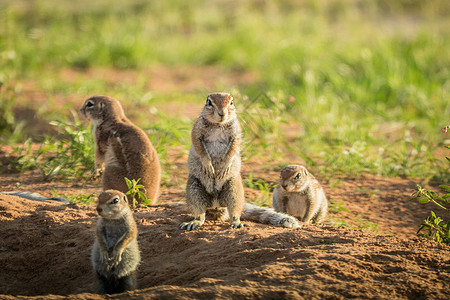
<point>122,148</point>
<point>300,194</point>
<point>115,254</point>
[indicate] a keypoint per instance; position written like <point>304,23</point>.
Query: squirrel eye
<point>115,200</point>
<point>298,176</point>
<point>209,102</point>
<point>90,103</point>
<point>231,102</point>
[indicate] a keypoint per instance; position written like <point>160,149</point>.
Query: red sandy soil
<point>45,250</point>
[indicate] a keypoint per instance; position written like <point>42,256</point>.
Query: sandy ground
<point>45,250</point>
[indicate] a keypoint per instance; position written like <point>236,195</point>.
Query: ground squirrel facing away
<point>214,184</point>
<point>115,254</point>
<point>300,194</point>
<point>214,163</point>
<point>122,148</point>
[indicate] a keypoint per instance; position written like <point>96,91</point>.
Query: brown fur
<point>122,207</point>
<point>300,194</point>
<point>214,163</point>
<point>115,254</point>
<point>122,148</point>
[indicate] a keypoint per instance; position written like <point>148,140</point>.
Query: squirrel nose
<point>99,210</point>
<point>284,186</point>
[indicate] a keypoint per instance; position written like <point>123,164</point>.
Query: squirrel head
<point>219,108</point>
<point>100,108</point>
<point>293,177</point>
<point>112,204</point>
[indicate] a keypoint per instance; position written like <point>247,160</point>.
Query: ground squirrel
<point>115,254</point>
<point>300,194</point>
<point>214,163</point>
<point>122,148</point>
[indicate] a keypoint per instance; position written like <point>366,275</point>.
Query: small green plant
<point>339,223</point>
<point>357,223</point>
<point>25,160</point>
<point>364,224</point>
<point>136,192</point>
<point>336,207</point>
<point>73,154</point>
<point>435,227</point>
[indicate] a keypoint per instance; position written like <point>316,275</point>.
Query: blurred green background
<point>346,86</point>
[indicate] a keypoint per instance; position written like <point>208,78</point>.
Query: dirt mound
<point>45,247</point>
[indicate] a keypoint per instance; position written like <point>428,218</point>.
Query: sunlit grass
<point>363,86</point>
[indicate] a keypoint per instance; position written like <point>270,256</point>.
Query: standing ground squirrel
<point>214,163</point>
<point>115,254</point>
<point>122,148</point>
<point>300,194</point>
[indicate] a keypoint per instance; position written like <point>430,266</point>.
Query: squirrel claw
<point>209,168</point>
<point>104,257</point>
<point>188,226</point>
<point>115,258</point>
<point>237,226</point>
<point>96,174</point>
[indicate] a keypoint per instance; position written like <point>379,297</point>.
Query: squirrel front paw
<point>115,258</point>
<point>236,223</point>
<point>104,257</point>
<point>209,168</point>
<point>97,173</point>
<point>225,170</point>
<point>191,225</point>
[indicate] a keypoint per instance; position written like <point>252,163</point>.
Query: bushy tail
<point>268,215</point>
<point>34,196</point>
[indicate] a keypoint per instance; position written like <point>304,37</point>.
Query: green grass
<point>264,188</point>
<point>70,156</point>
<point>337,207</point>
<point>368,80</point>
<point>360,224</point>
<point>80,199</point>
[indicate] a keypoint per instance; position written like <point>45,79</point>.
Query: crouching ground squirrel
<point>115,254</point>
<point>122,148</point>
<point>214,184</point>
<point>300,194</point>
<point>214,163</point>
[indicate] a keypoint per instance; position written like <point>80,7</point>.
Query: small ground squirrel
<point>115,254</point>
<point>214,163</point>
<point>300,194</point>
<point>122,148</point>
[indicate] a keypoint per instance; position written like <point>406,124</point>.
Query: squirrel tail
<point>34,196</point>
<point>268,215</point>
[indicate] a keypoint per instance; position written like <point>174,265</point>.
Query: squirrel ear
<point>125,199</point>
<point>102,105</point>
<point>306,172</point>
